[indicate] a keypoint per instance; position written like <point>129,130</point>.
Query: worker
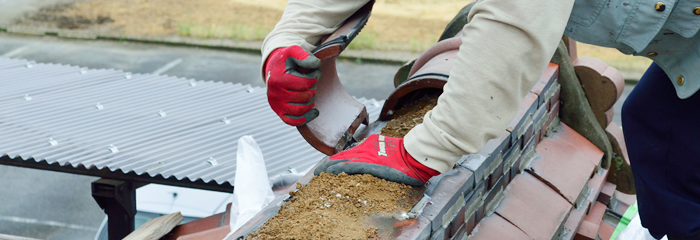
<point>505,48</point>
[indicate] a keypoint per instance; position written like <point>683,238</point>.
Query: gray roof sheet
<point>108,123</point>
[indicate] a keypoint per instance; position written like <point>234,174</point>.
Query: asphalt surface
<point>48,205</point>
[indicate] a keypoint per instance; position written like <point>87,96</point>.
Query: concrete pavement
<point>47,205</point>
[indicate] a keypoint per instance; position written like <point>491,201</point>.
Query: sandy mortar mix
<point>336,207</point>
<point>407,118</point>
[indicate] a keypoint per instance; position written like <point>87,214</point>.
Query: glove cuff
<point>273,54</point>
<point>423,172</point>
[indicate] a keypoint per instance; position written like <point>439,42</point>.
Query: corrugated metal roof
<point>65,117</point>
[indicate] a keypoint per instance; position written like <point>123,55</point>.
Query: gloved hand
<point>290,90</point>
<point>383,157</point>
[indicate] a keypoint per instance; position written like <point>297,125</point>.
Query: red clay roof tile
<point>606,193</point>
<point>214,233</point>
<point>562,165</point>
<point>605,231</point>
<point>523,118</point>
<point>533,207</point>
<point>595,184</point>
<point>587,231</point>
<point>596,214</point>
<point>202,224</point>
<point>582,144</point>
<point>545,82</point>
<point>495,227</point>
<point>575,219</point>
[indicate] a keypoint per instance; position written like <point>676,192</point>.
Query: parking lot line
<point>168,66</point>
<point>11,237</point>
<point>15,51</point>
<point>46,223</point>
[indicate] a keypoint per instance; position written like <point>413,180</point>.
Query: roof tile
<point>582,144</point>
<point>575,219</point>
<point>596,214</point>
<point>495,227</point>
<point>523,118</point>
<point>606,193</point>
<point>533,207</point>
<point>605,231</point>
<point>587,231</point>
<point>562,165</point>
<point>215,233</point>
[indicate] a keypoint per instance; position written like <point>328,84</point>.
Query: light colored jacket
<point>662,30</point>
<point>505,48</point>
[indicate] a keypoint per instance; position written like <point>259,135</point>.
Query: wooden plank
<point>156,228</point>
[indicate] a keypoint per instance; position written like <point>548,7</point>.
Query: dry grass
<point>402,25</point>
<point>627,64</point>
<point>203,18</point>
<point>392,27</point>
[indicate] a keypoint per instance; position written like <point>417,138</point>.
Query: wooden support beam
<point>118,200</point>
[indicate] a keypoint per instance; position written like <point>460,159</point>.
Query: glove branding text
<point>382,147</point>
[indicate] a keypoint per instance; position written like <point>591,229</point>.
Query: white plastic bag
<point>635,231</point>
<point>252,191</point>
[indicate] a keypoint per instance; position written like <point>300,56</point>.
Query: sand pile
<point>408,117</point>
<point>336,207</point>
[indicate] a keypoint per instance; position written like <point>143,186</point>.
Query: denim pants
<point>662,133</point>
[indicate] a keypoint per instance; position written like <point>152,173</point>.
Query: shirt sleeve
<point>305,22</point>
<point>506,47</point>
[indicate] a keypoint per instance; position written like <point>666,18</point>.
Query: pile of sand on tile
<point>408,117</point>
<point>336,207</point>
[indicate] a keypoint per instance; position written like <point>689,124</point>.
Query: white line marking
<point>168,66</point>
<point>46,223</point>
<point>11,237</point>
<point>15,52</point>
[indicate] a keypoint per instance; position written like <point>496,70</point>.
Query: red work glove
<point>291,93</point>
<point>383,157</point>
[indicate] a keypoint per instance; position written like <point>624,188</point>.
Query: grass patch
<point>614,58</point>
<point>365,40</point>
<point>232,31</point>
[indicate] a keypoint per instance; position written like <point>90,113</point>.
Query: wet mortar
<point>408,117</point>
<point>338,207</point>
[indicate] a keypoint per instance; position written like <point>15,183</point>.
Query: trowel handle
<point>303,70</point>
<point>336,42</point>
<point>339,113</point>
